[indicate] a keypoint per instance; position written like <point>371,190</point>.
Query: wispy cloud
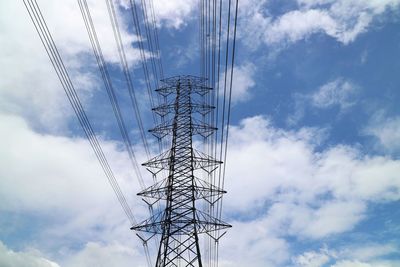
<point>343,20</point>
<point>340,92</point>
<point>360,255</point>
<point>386,130</point>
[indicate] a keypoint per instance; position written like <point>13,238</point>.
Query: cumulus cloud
<point>311,259</point>
<point>92,254</point>
<point>49,176</point>
<point>29,86</point>
<point>175,13</point>
<point>243,81</point>
<point>343,20</point>
<point>253,243</point>
<point>51,161</point>
<point>303,191</point>
<point>10,258</point>
<point>60,180</point>
<point>290,189</point>
<point>73,39</point>
<point>114,254</point>
<point>281,184</point>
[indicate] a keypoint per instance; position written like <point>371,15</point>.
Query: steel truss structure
<point>180,221</point>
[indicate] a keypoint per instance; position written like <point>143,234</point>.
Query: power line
<point>150,40</point>
<point>210,29</point>
<point>109,86</point>
<point>222,140</point>
<point>142,53</point>
<point>51,49</point>
<point>156,39</point>
<point>230,99</point>
<point>136,23</point>
<point>126,71</point>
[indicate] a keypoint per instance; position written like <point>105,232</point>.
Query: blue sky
<point>313,164</point>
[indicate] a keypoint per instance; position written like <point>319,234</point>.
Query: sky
<point>313,168</point>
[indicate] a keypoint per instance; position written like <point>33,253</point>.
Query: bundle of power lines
<point>62,73</point>
<point>217,33</point>
<point>217,39</point>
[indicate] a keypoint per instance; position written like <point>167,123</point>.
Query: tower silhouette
<point>180,221</point>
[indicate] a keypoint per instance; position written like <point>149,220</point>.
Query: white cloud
<point>369,252</point>
<point>363,254</point>
<point>334,217</point>
<point>9,258</point>
<point>387,132</point>
<point>175,13</point>
<point>308,193</point>
<point>315,223</point>
<point>60,180</point>
<point>252,243</point>
<point>294,188</point>
<point>311,259</point>
<point>29,86</point>
<point>53,164</point>
<point>253,22</point>
<point>114,254</point>
<point>343,20</point>
<point>339,92</point>
<point>296,25</point>
<point>242,82</point>
<point>349,263</point>
<point>73,38</point>
<point>92,254</point>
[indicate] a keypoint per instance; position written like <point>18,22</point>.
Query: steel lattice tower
<point>181,221</point>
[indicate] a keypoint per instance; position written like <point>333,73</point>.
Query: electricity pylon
<point>181,221</point>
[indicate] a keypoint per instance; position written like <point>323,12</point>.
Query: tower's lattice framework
<point>180,221</point>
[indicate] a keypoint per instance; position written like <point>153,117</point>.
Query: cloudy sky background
<point>313,164</point>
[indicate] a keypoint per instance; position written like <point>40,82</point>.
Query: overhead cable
<point>58,65</point>
<point>91,30</point>
<point>127,74</point>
